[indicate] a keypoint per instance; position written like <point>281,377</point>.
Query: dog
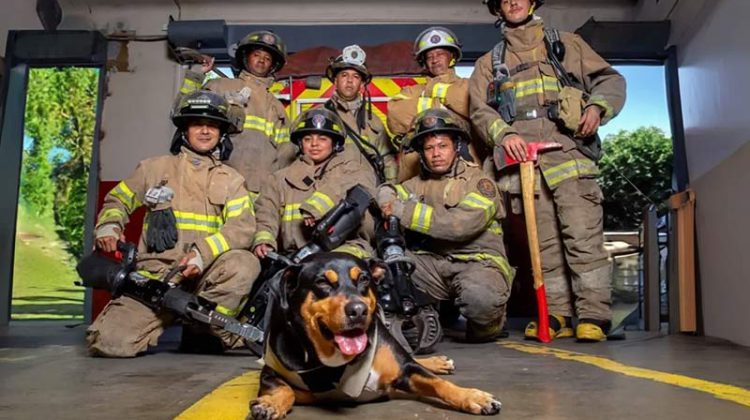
<point>326,342</point>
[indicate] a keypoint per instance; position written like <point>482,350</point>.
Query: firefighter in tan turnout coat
<point>199,214</point>
<point>548,86</point>
<point>293,199</point>
<point>452,213</point>
<point>263,146</point>
<point>437,50</point>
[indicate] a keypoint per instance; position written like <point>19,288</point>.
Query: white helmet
<point>436,37</point>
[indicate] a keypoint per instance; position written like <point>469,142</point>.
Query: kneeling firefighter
<point>206,230</point>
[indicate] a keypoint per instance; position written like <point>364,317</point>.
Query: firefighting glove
<point>161,233</point>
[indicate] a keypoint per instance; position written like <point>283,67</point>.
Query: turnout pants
<point>127,327</point>
<point>480,290</point>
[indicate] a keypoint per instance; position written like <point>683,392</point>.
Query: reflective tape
<point>235,207</point>
<point>109,215</point>
<point>599,100</point>
<point>538,85</point>
<point>264,236</point>
<point>189,85</point>
<point>496,130</point>
<point>478,201</point>
<point>281,135</point>
<point>402,193</point>
<point>260,124</point>
<point>440,90</point>
<point>495,228</point>
<point>126,196</point>
<point>421,219</point>
<point>353,250</point>
<point>218,244</point>
<point>567,170</point>
<point>291,213</point>
<point>227,311</point>
<point>423,104</point>
<point>320,202</point>
<point>198,222</point>
<point>505,268</point>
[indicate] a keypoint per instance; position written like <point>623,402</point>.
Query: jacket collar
<point>449,77</point>
<point>197,159</point>
<point>525,37</point>
<point>349,106</point>
<point>248,77</point>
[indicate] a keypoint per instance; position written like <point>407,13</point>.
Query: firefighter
<point>263,146</point>
<point>208,230</point>
<point>293,199</point>
<point>547,85</point>
<point>437,50</point>
<point>367,139</point>
<point>452,213</point>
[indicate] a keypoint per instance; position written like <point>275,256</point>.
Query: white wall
<point>714,86</point>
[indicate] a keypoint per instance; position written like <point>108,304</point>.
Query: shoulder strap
<point>553,42</point>
<point>498,58</point>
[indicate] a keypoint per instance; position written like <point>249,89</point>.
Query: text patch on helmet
<point>487,188</point>
<point>429,122</point>
<point>318,120</point>
<point>353,54</point>
<point>269,39</point>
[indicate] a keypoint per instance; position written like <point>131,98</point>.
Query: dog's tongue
<point>351,345</point>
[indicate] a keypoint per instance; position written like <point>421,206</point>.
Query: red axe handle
<point>533,149</point>
<point>529,211</point>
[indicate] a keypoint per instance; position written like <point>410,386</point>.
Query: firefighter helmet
<point>203,104</point>
<point>438,120</point>
<point>494,6</point>
<point>319,120</point>
<point>267,40</point>
<point>352,57</point>
<point>437,37</point>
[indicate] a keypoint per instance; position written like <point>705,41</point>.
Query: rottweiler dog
<point>326,342</point>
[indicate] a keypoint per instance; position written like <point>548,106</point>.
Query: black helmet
<point>494,5</point>
<point>437,120</point>
<point>203,104</point>
<point>319,120</point>
<point>436,37</point>
<point>261,39</point>
<point>352,57</point>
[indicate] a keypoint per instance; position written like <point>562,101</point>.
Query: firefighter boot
<point>592,330</point>
<point>559,327</point>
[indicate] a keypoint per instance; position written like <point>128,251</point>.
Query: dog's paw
<point>261,409</point>
<point>479,402</point>
<point>439,365</point>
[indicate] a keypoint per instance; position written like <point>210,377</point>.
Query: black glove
<point>161,233</point>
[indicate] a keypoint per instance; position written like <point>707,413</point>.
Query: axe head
<point>533,150</point>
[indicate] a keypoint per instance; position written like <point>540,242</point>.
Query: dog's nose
<point>355,311</point>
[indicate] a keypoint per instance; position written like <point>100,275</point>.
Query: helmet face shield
<point>437,37</point>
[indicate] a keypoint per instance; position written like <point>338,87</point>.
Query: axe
<point>527,189</point>
<point>185,55</point>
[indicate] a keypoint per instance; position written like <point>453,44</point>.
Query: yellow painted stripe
<point>231,400</point>
<point>721,391</point>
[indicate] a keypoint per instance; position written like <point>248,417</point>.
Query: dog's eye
<point>363,282</point>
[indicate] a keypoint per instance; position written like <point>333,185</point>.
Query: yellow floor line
<point>227,402</point>
<point>718,390</point>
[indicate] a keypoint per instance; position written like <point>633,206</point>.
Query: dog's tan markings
<point>386,366</point>
<point>371,301</point>
<point>332,276</point>
<point>468,400</point>
<point>302,397</point>
<point>330,312</point>
<point>274,402</point>
<point>439,365</point>
<point>354,273</point>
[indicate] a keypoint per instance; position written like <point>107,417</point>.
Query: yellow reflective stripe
<point>501,262</point>
<point>402,193</point>
<point>149,275</point>
<point>440,90</point>
<point>253,197</point>
<point>400,96</point>
<point>570,169</point>
<point>496,129</point>
<point>218,244</point>
<point>111,214</point>
<point>263,236</point>
<point>538,85</point>
<point>599,100</point>
<point>423,104</point>
<point>281,135</point>
<point>198,222</point>
<point>126,196</point>
<point>421,218</point>
<point>495,228</point>
<point>481,202</point>
<point>321,202</point>
<point>235,207</point>
<point>226,311</point>
<point>189,85</point>
<point>291,212</point>
<point>353,250</point>
<point>253,122</point>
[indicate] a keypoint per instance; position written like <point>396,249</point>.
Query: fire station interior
<point>682,345</point>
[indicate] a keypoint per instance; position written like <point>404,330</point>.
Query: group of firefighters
<point>242,180</point>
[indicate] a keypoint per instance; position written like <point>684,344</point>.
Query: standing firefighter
<point>437,50</point>
<point>295,198</point>
<point>541,85</point>
<point>367,139</point>
<point>452,213</point>
<point>199,215</point>
<point>263,146</point>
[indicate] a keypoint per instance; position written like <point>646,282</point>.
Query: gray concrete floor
<point>44,373</point>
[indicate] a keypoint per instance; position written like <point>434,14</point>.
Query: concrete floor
<point>44,373</point>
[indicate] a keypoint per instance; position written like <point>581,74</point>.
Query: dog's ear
<point>288,284</point>
<point>378,269</point>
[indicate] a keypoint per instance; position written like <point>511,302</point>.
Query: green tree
<point>60,121</point>
<point>643,157</point>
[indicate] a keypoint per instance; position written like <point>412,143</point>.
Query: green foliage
<point>60,119</point>
<point>644,156</point>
